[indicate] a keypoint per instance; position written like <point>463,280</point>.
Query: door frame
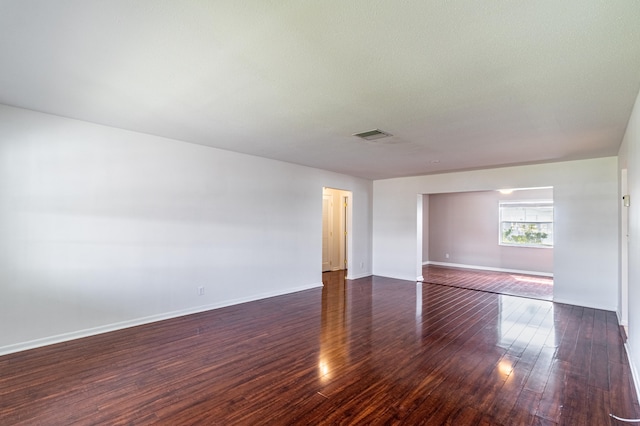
<point>345,226</point>
<point>329,237</point>
<point>624,252</point>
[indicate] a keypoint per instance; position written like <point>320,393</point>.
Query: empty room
<point>498,241</point>
<point>226,212</point>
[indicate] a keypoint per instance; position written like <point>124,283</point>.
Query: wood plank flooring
<point>371,351</point>
<point>532,286</point>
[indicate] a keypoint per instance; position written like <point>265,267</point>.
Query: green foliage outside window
<point>524,233</point>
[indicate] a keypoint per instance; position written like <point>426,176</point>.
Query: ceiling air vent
<point>372,135</point>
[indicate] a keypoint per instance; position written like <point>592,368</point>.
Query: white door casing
<point>327,231</point>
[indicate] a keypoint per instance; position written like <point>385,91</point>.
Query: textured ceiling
<point>460,85</point>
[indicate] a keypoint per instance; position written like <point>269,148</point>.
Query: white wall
<point>586,224</point>
<point>630,159</point>
<point>102,228</point>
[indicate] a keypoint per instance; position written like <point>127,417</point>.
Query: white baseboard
<point>401,278</point>
<point>634,370</point>
<point>65,337</point>
<point>632,366</point>
<point>625,324</point>
<point>574,302</point>
<point>488,268</point>
<point>358,276</point>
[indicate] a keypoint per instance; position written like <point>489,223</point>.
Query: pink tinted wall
<point>465,225</point>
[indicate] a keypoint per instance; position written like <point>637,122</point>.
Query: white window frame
<point>534,221</point>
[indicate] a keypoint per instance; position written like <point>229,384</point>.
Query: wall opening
<point>463,230</point>
<point>336,229</point>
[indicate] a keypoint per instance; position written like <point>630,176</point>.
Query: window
<point>526,223</point>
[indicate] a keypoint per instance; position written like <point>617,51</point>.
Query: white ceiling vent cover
<point>372,135</point>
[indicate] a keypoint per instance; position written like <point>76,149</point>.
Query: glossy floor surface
<point>533,286</point>
<point>372,351</point>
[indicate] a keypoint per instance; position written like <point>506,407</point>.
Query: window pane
<point>527,224</point>
<point>527,233</point>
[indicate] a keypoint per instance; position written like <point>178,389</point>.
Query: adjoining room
<point>499,241</point>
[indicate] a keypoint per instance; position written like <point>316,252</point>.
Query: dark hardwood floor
<point>532,286</point>
<point>370,351</point>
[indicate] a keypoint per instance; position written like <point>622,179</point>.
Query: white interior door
<point>344,218</point>
<point>327,231</point>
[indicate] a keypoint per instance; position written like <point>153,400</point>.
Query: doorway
<point>624,252</point>
<point>335,229</point>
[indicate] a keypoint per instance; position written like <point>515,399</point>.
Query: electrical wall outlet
<point>201,291</point>
<point>446,255</point>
